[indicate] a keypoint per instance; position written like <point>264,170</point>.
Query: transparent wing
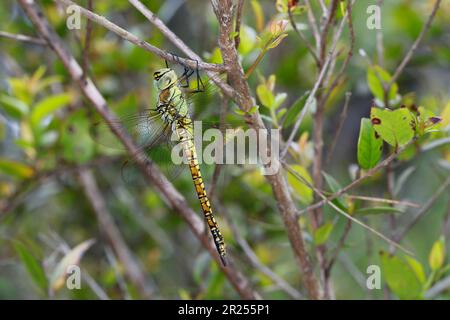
<point>146,128</point>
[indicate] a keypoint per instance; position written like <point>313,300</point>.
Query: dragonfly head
<point>164,78</point>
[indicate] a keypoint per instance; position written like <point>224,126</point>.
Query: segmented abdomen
<point>191,155</point>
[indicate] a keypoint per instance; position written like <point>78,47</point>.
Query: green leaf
<point>417,268</point>
<point>335,187</point>
<point>32,266</point>
<point>400,277</point>
<point>294,110</point>
<point>78,145</point>
<point>437,255</point>
<point>376,77</point>
<point>276,42</point>
<point>279,99</point>
<point>301,189</point>
<point>13,107</point>
<point>265,96</point>
<point>322,233</point>
<point>73,257</point>
<point>258,14</point>
<point>15,169</point>
<point>378,210</point>
<point>394,127</point>
<point>47,106</point>
<point>370,146</point>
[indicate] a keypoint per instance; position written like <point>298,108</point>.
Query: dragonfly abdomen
<point>191,155</point>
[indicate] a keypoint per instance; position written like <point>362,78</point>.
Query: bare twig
<point>87,42</point>
<point>438,288</point>
<point>21,37</point>
<point>414,47</point>
<point>223,10</point>
<point>419,214</point>
<point>340,125</point>
<point>338,248</point>
<point>108,226</point>
<point>342,212</point>
<point>323,36</point>
<point>383,200</point>
<point>256,263</point>
<point>172,37</point>
<point>140,43</point>
<point>149,170</point>
<point>349,55</point>
<point>355,182</point>
<point>313,23</point>
<point>237,28</point>
<point>302,37</point>
<point>316,86</point>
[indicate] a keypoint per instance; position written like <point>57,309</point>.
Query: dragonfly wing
<point>145,128</point>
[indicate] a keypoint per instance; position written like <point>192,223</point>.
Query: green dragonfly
<point>171,118</point>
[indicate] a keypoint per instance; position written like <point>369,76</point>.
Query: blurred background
<point>45,147</point>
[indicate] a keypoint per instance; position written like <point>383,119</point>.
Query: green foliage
<point>378,79</point>
<point>370,145</point>
<point>401,277</point>
<point>15,169</point>
<point>304,193</point>
<point>393,126</point>
<point>32,266</point>
<point>78,145</point>
<point>322,233</point>
<point>437,255</point>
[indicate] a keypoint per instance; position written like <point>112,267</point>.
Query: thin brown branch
<point>338,248</point>
<point>313,23</point>
<point>172,37</point>
<point>223,10</point>
<point>355,182</point>
<point>419,214</point>
<point>87,42</point>
<point>112,233</point>
<point>349,55</point>
<point>303,37</point>
<point>149,170</point>
<point>256,263</point>
<point>21,37</point>
<point>414,47</point>
<point>340,125</point>
<point>237,27</point>
<point>383,200</point>
<point>140,43</point>
<point>323,36</point>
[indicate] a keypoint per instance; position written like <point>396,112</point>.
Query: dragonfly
<point>171,117</point>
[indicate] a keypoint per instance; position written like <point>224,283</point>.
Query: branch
<point>340,125</point>
<point>21,37</point>
<point>256,263</point>
<point>107,225</point>
<point>355,182</point>
<point>427,206</point>
<point>172,37</point>
<point>149,170</point>
<point>140,43</point>
<point>223,10</point>
<point>237,28</point>
<point>415,45</point>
